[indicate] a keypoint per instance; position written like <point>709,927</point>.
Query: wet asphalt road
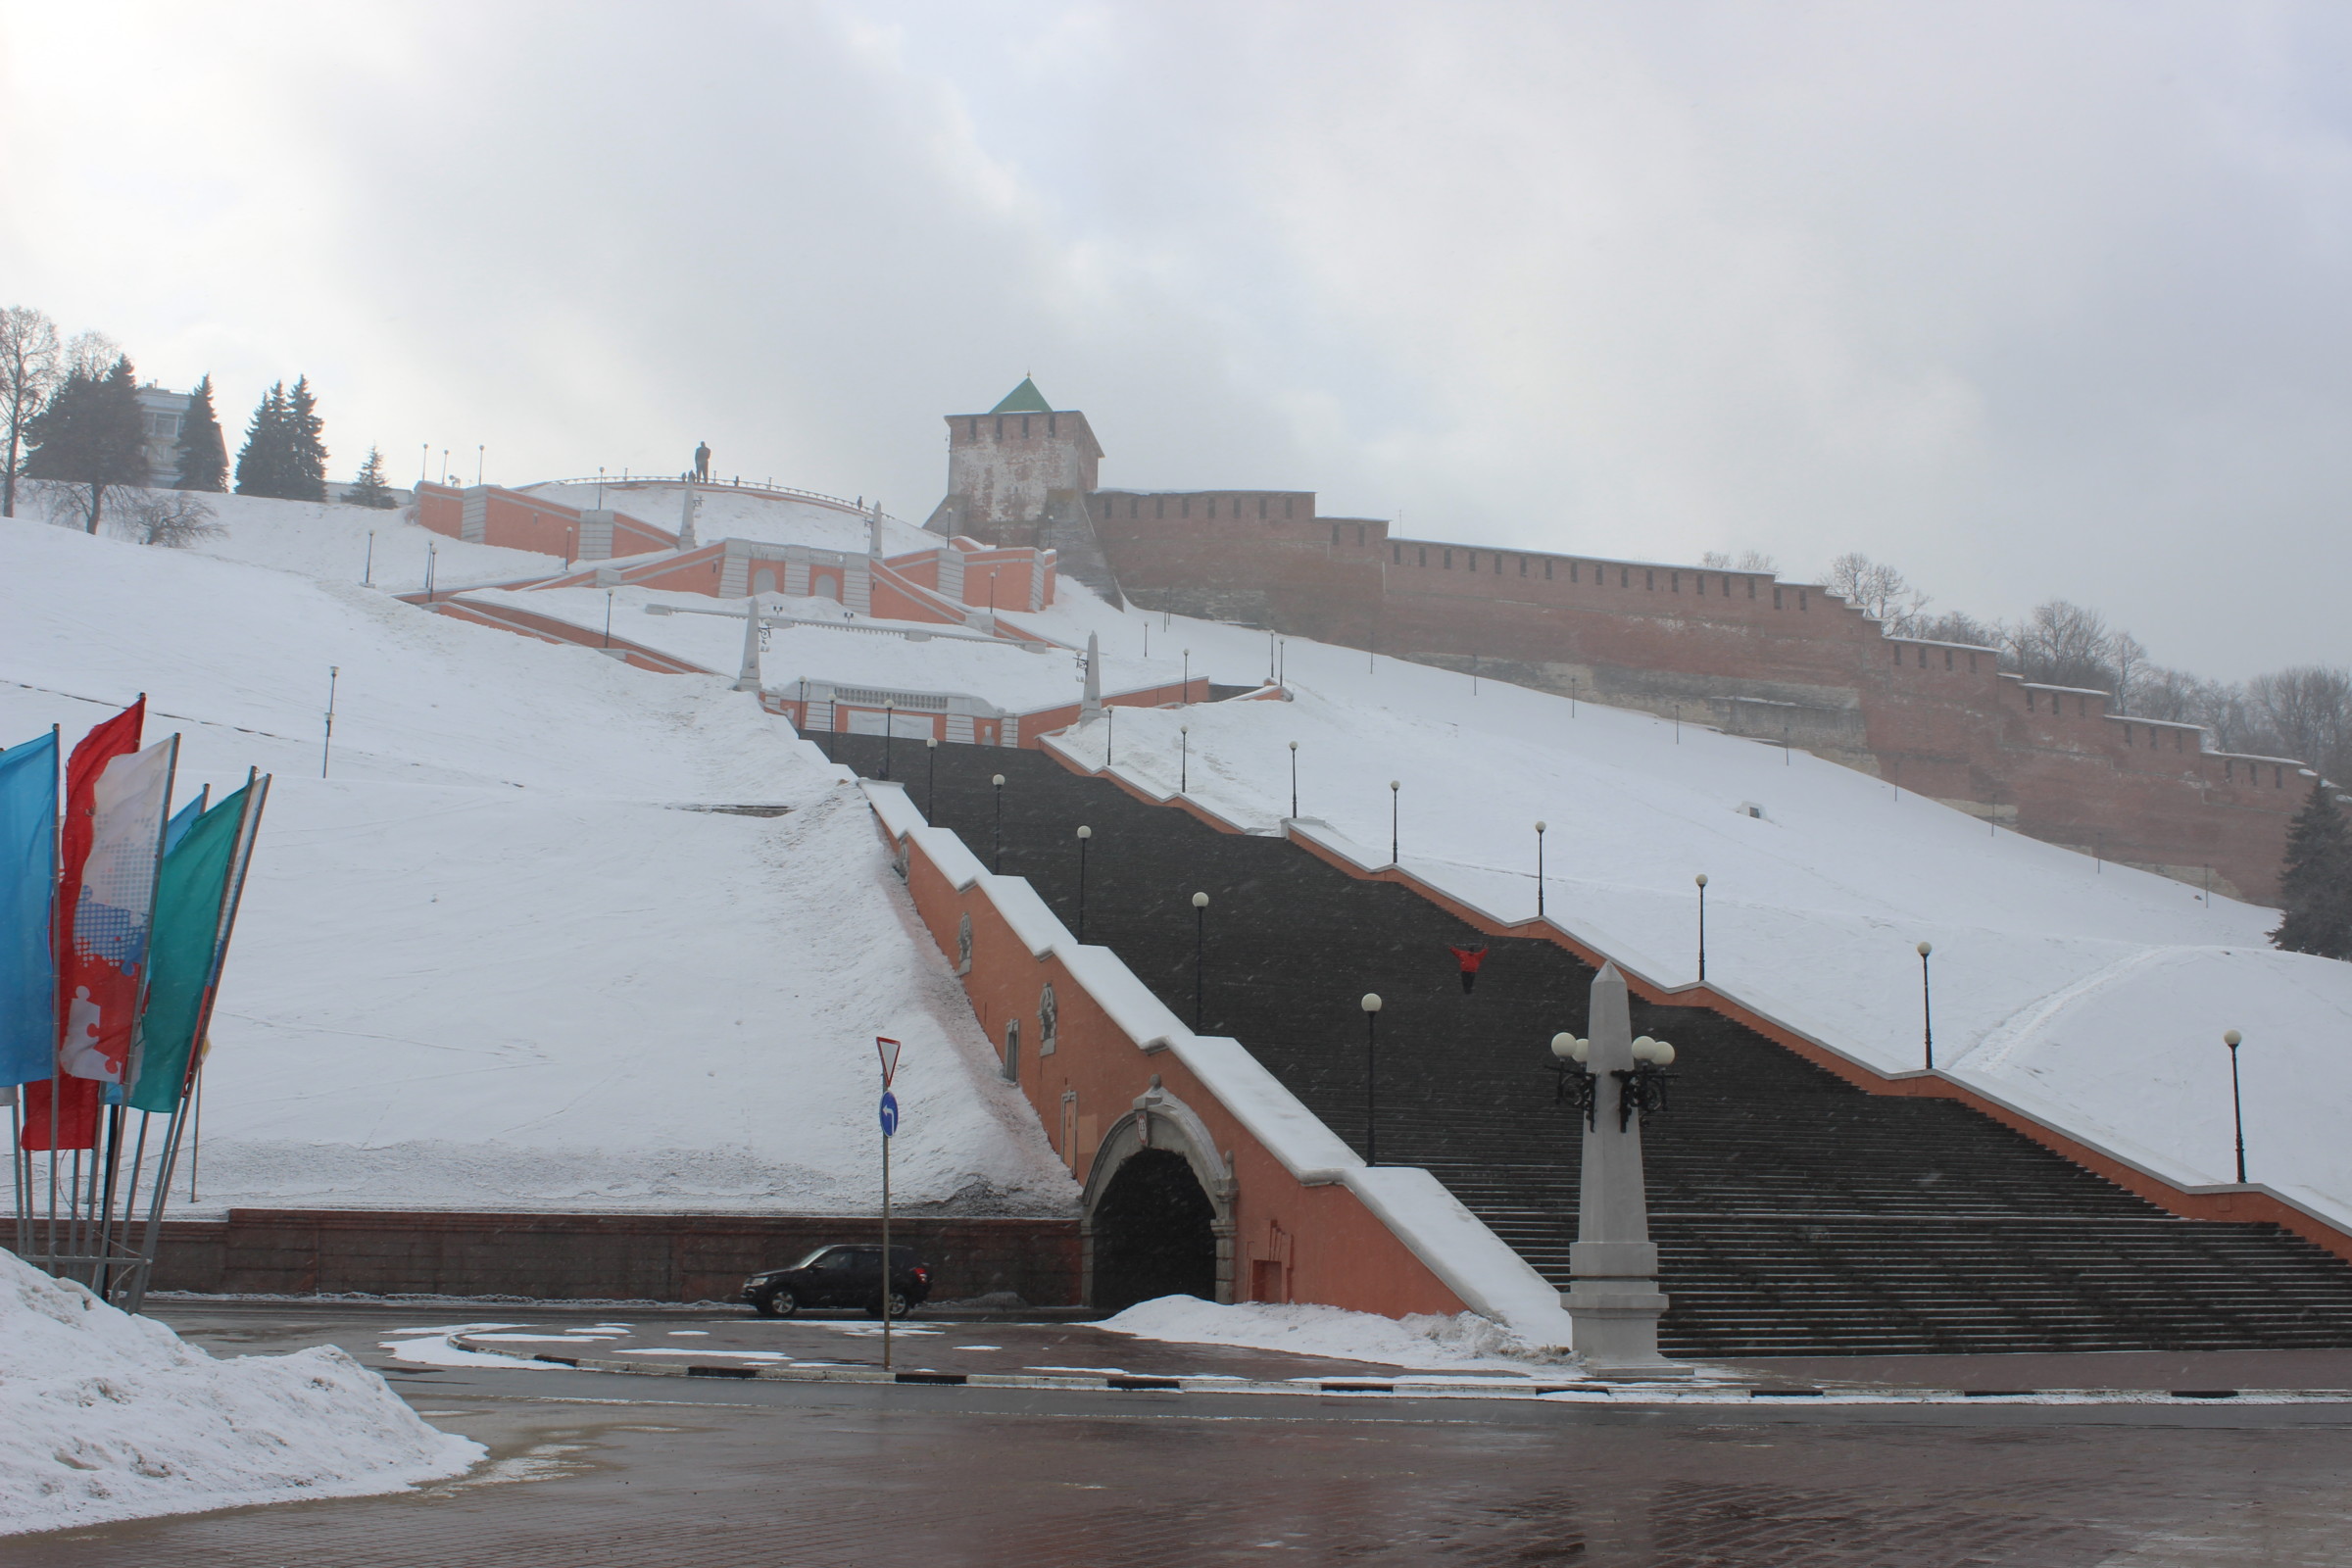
<point>592,1468</point>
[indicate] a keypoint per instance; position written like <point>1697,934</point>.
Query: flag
<point>28,891</point>
<point>193,907</point>
<point>106,954</point>
<point>73,1102</point>
<point>185,819</point>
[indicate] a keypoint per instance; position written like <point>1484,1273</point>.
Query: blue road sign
<point>890,1114</point>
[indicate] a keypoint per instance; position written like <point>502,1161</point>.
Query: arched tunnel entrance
<point>1154,1233</point>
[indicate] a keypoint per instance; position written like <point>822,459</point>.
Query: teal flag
<point>28,891</point>
<point>189,904</point>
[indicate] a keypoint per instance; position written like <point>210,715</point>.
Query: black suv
<point>840,1276</point>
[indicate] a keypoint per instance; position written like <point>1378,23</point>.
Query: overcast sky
<point>2034,300</point>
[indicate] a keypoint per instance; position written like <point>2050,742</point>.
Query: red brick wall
<point>1740,650</point>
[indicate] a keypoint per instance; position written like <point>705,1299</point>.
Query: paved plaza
<point>595,1468</point>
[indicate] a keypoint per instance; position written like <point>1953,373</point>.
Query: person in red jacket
<point>1469,958</point>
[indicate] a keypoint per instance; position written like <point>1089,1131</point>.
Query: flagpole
<point>232,893</point>
<point>128,1074</point>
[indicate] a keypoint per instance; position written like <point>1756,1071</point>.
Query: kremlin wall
<point>1742,650</point>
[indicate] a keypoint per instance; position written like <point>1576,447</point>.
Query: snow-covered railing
<point>634,481</point>
<point>1483,1272</point>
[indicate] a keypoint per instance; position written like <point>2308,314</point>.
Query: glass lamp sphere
<point>1371,1001</point>
<point>998,781</point>
<point>1199,901</point>
<point>1661,1055</point>
<point>2230,1038</point>
<point>1926,947</point>
<point>1086,832</point>
<point>1702,879</point>
<point>1563,1046</point>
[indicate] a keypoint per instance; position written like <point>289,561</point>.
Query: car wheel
<point>776,1302</point>
<point>900,1306</point>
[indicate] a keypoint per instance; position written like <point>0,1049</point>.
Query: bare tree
<point>29,368</point>
<point>2128,658</point>
<point>2064,644</point>
<point>1956,626</point>
<point>1879,591</point>
<point>2309,709</point>
<point>171,518</point>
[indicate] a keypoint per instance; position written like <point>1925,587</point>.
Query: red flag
<point>76,1106</point>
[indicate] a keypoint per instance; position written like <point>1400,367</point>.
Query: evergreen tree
<point>370,490</point>
<point>203,454</point>
<point>265,463</point>
<point>306,446</point>
<point>91,433</point>
<point>2315,889</point>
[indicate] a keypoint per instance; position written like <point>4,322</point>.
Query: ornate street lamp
<point>2237,1108</point>
<point>1702,927</point>
<point>996,835</point>
<point>1084,834</point>
<point>1926,1006</point>
<point>1200,952</point>
<point>1371,1007</point>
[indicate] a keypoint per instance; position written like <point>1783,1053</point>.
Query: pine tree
<point>2315,891</point>
<point>203,454</point>
<point>370,490</point>
<point>265,465</point>
<point>91,433</point>
<point>308,448</point>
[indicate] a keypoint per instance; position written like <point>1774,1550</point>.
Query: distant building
<point>164,411</point>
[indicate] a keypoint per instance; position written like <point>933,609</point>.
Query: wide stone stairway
<point>1793,1213</point>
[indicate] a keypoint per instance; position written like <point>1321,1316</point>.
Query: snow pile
<point>508,956</point>
<point>108,1416</point>
<point>1463,1342</point>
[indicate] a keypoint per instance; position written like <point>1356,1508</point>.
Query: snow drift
<point>108,1416</point>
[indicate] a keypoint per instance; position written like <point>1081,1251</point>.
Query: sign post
<point>888,1049</point>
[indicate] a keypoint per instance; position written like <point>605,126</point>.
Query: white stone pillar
<point>1613,1291</point>
<point>1090,706</point>
<point>687,507</point>
<point>748,678</point>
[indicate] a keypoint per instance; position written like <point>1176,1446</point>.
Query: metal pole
<point>326,748</point>
<point>1110,732</point>
<point>996,836</point>
<point>886,1246</point>
<point>1084,834</point>
<point>1702,926</point>
<point>430,552</point>
<point>1926,1006</point>
<point>1184,758</point>
<point>888,709</point>
<point>1371,1007</point>
<point>1293,778</point>
<point>1391,821</point>
<point>1200,952</point>
<point>2237,1108</point>
<point>367,573</point>
<point>608,617</point>
<point>931,787</point>
<point>1540,873</point>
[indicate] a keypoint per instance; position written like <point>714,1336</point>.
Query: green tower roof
<point>1025,399</point>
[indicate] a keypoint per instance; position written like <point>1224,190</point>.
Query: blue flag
<point>28,894</point>
<point>177,828</point>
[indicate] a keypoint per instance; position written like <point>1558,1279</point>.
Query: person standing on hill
<point>701,462</point>
<point>1469,958</point>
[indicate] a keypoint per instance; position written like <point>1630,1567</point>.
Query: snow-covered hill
<point>503,957</point>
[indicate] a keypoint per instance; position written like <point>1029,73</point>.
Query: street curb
<point>1679,1393</point>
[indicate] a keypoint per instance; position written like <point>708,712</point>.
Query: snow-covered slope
<point>727,512</point>
<point>108,1416</point>
<point>498,959</point>
<point>2094,996</point>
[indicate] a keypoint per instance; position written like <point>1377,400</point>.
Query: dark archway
<point>1154,1233</point>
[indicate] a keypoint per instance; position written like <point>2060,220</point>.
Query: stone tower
<point>1019,474</point>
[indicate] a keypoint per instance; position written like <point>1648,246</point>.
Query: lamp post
<point>1184,758</point>
<point>1391,821</point>
<point>1539,871</point>
<point>1927,1007</point>
<point>1293,778</point>
<point>608,617</point>
<point>1702,926</point>
<point>368,572</point>
<point>431,551</point>
<point>327,747</point>
<point>2238,1109</point>
<point>995,834</point>
<point>1084,834</point>
<point>1200,952</point>
<point>1371,1007</point>
<point>1187,674</point>
<point>887,727</point>
<point>931,784</point>
<point>1110,732</point>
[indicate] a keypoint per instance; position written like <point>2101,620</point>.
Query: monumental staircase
<point>1793,1212</point>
